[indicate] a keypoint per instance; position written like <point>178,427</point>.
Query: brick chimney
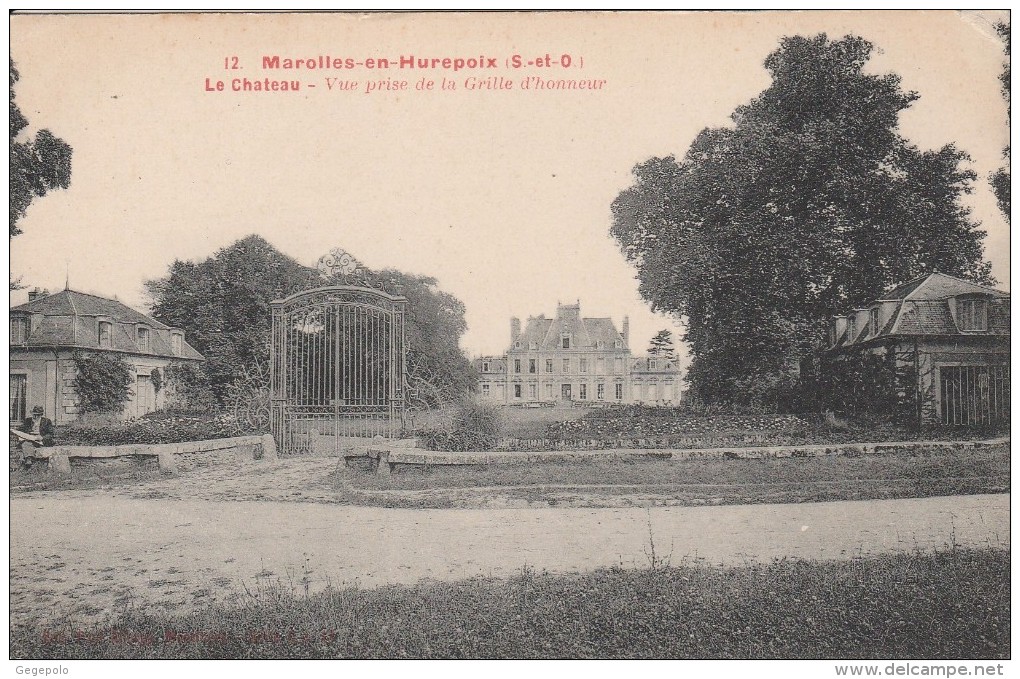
<point>626,331</point>
<point>515,328</point>
<point>37,294</point>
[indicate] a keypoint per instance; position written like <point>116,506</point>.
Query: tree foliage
<point>662,345</point>
<point>1001,178</point>
<point>811,203</point>
<point>38,164</point>
<point>102,382</point>
<point>223,303</point>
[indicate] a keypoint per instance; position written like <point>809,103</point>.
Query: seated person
<point>39,428</point>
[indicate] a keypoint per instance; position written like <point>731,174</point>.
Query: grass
<point>968,471</point>
<point>948,604</point>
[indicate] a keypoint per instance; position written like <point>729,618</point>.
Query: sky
<point>502,195</point>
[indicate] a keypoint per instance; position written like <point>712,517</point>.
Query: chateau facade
<point>570,359</point>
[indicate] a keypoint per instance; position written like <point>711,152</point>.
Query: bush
<point>474,426</point>
<point>154,428</point>
<point>189,391</point>
<point>102,382</point>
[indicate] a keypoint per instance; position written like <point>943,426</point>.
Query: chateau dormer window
<point>485,366</point>
<point>873,322</point>
<point>142,335</point>
<point>972,314</point>
<point>619,344</point>
<point>176,343</point>
<point>517,345</point>
<point>851,328</point>
<point>565,341</point>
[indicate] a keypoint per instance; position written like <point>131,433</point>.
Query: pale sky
<point>503,196</point>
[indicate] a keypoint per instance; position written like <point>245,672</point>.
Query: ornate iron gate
<point>337,368</point>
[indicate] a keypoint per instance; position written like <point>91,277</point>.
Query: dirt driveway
<point>86,555</point>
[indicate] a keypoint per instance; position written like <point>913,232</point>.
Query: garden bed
<point>154,428</point>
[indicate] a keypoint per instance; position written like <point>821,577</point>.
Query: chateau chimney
<point>36,294</point>
<point>626,331</point>
<point>515,328</point>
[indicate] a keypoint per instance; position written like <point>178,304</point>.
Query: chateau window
<point>517,365</point>
<point>565,341</point>
<point>972,314</point>
<point>485,366</point>
<point>584,365</point>
<point>143,339</point>
<point>600,391</point>
<point>532,365</point>
<point>583,393</point>
<point>533,390</point>
<point>548,391</point>
<point>517,345</point>
<point>548,365</point>
<point>176,341</point>
<point>517,391</point>
<point>851,328</point>
<point>105,334</point>
<point>485,390</point>
<point>566,366</point>
<point>873,322</point>
<point>619,344</point>
<point>652,365</point>
<point>619,392</point>
<point>19,331</point>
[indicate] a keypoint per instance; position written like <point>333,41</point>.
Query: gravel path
<point>88,555</point>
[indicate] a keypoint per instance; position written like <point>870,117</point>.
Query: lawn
<point>948,604</point>
<point>694,482</point>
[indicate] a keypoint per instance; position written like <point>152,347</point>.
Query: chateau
<point>571,359</point>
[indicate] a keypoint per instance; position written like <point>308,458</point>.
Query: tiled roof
<point>938,286</point>
<point>546,333</point>
<point>926,317</point>
<point>923,308</point>
<point>69,319</point>
<point>71,302</point>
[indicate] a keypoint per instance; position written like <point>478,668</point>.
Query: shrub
<point>189,391</point>
<point>102,382</point>
<point>156,427</point>
<point>474,426</point>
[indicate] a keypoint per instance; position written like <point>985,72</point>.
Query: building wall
<point>583,371</point>
<point>938,353</point>
<point>50,383</point>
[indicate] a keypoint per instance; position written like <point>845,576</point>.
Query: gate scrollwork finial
<point>338,263</point>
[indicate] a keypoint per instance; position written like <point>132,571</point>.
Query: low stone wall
<point>390,457</point>
<point>171,457</point>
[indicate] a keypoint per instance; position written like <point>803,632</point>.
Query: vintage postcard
<point>575,335</point>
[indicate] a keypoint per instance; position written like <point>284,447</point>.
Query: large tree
<point>1001,177</point>
<point>38,164</point>
<point>811,203</point>
<point>662,345</point>
<point>223,304</point>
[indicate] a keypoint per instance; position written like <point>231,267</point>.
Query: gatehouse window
<point>972,314</point>
<point>105,334</point>
<point>19,394</point>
